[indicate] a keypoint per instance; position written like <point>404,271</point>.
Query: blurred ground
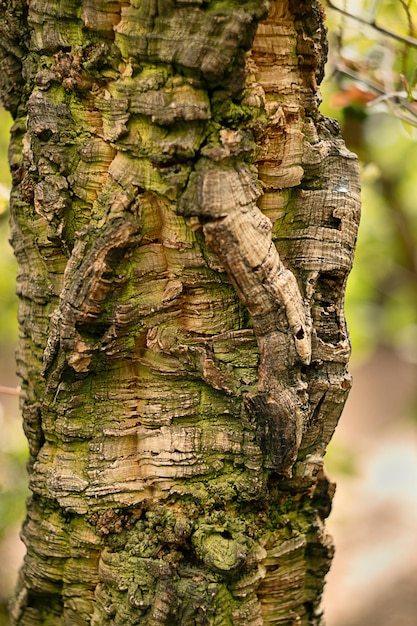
<point>373,459</point>
<point>373,580</point>
<point>12,480</point>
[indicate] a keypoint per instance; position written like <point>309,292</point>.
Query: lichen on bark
<point>184,221</point>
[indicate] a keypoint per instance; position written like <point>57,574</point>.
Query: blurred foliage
<point>13,445</point>
<point>341,459</point>
<point>8,299</point>
<point>374,44</point>
<point>13,477</point>
<point>370,88</point>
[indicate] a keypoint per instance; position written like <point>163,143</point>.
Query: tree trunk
<point>184,221</point>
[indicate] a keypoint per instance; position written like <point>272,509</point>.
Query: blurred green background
<point>369,88</point>
<point>13,448</point>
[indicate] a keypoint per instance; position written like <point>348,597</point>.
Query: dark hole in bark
<point>334,222</point>
<point>300,334</point>
<point>226,535</point>
<point>45,135</point>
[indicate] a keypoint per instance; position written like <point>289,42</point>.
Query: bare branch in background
<point>410,41</point>
<point>10,391</point>
<point>382,81</point>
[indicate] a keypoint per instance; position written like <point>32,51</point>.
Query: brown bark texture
<point>184,221</point>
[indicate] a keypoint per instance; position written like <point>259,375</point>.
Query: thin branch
<point>407,11</point>
<point>393,99</point>
<point>342,68</point>
<point>11,391</point>
<point>410,41</point>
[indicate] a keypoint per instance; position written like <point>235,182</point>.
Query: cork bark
<point>184,221</point>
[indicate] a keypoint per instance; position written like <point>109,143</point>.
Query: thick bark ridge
<point>184,221</point>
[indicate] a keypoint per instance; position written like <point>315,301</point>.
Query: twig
<point>11,391</point>
<point>410,41</point>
